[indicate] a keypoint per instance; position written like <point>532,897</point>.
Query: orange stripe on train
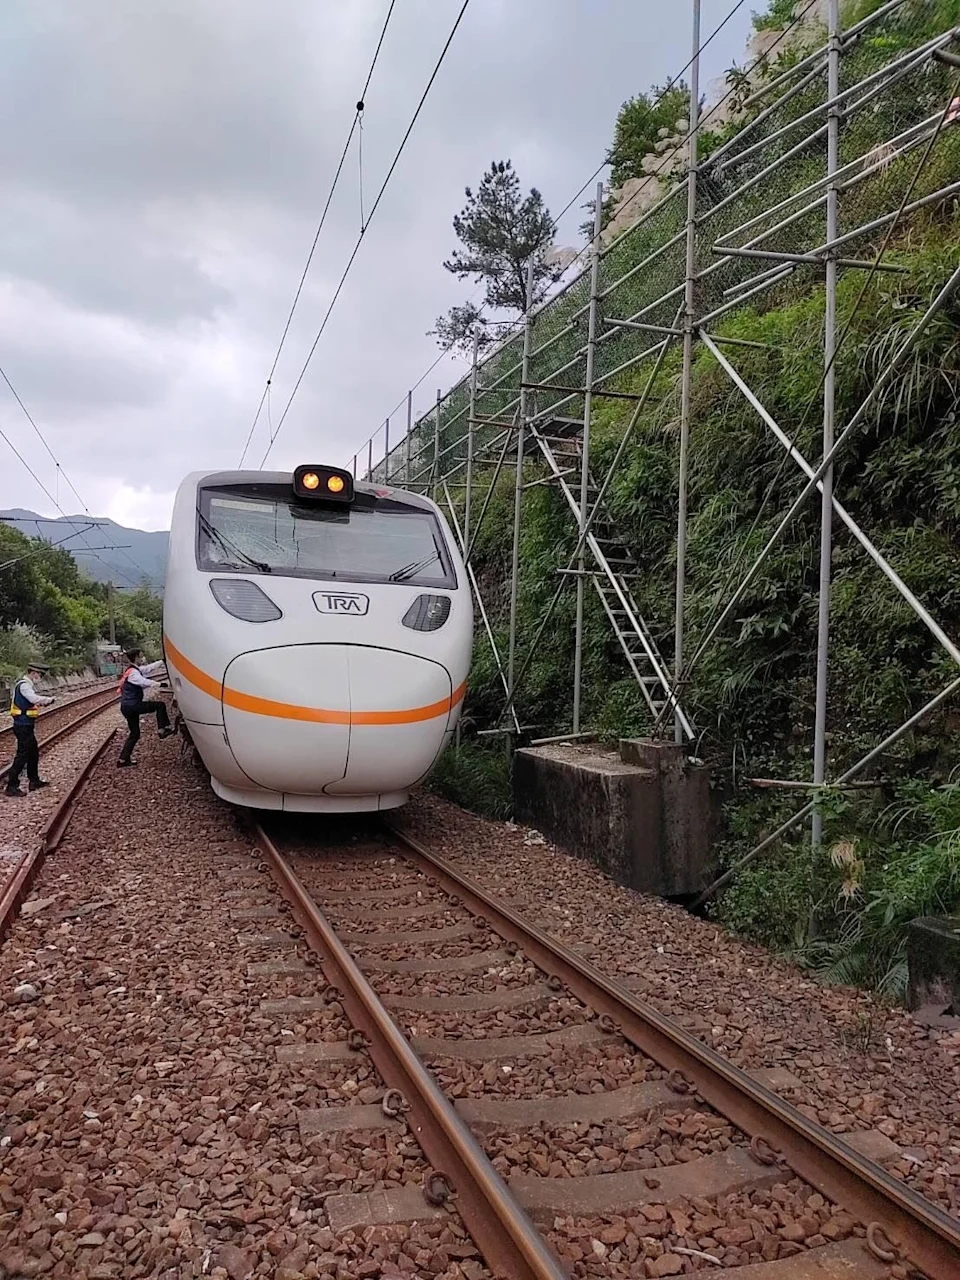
<point>290,711</point>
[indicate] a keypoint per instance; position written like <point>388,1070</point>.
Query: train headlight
<point>244,600</point>
<point>427,613</point>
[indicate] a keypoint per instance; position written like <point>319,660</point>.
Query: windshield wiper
<point>230,548</point>
<point>411,570</point>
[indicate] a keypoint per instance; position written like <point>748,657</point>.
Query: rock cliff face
<point>670,157</point>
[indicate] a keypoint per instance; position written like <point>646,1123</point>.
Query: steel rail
<point>66,730</point>
<point>921,1232</point>
<point>72,702</point>
<point>506,1237</point>
<point>21,878</point>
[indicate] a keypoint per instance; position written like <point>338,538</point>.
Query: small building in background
<point>109,659</point>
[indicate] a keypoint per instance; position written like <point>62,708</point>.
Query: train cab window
<point>261,528</point>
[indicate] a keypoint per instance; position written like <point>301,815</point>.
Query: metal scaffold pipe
<point>436,447</point>
<point>689,296</point>
<point>585,450</point>
<point>829,402</point>
<point>471,433</point>
<point>407,440</point>
<point>518,485</point>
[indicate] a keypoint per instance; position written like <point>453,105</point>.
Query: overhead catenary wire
<point>671,83</point>
<point>30,418</point>
<point>58,543</point>
<point>357,124</point>
<point>373,210</point>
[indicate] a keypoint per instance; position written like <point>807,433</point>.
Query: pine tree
<point>500,231</point>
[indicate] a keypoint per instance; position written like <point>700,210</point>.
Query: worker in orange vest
<point>136,680</point>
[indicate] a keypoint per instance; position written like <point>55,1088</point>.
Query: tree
<point>642,124</point>
<point>500,230</point>
<point>18,577</point>
<point>639,125</point>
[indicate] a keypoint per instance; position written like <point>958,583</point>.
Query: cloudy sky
<point>165,165</point>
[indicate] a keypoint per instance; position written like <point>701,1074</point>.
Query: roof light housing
<point>323,484</point>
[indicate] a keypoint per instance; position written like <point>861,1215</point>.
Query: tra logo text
<point>342,602</point>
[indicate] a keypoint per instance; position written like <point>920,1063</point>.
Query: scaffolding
<point>794,178</point>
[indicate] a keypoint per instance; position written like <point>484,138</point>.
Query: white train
<point>317,634</point>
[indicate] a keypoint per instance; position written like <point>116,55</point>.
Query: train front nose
<point>340,719</point>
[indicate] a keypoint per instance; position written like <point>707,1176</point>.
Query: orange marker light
<point>323,484</point>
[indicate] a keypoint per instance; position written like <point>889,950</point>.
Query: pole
<point>889,374</point>
<point>111,614</point>
<point>407,440</point>
<point>585,451</point>
<point>829,405</point>
<point>354,466</point>
<point>687,375</point>
<point>436,448</point>
<point>386,452</point>
<point>851,773</point>
<point>370,458</point>
<point>518,486</point>
<point>471,427</point>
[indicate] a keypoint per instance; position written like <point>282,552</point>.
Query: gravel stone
<point>861,1064</point>
<point>146,1126</point>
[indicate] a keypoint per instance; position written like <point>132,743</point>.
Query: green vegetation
<point>49,610</point>
<point>891,851</point>
<point>500,232</point>
<point>475,777</point>
<point>642,122</point>
<point>779,15</point>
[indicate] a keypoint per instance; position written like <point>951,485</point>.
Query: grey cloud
<point>168,164</point>
<point>105,260</point>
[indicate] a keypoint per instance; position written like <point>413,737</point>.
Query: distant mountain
<point>145,557</point>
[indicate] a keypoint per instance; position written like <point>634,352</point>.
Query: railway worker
<point>133,705</point>
<point>25,704</point>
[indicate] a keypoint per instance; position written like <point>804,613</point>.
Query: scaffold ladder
<point>616,566</point>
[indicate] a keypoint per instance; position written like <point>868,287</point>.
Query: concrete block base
<point>641,814</point>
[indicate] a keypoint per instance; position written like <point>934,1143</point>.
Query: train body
<point>317,635</point>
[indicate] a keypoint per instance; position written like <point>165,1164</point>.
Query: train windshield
<point>263,529</point>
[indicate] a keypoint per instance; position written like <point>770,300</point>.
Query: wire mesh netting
<point>761,197</point>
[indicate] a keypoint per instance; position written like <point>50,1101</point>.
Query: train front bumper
<point>336,719</point>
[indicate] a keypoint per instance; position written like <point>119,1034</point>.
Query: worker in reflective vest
<point>25,704</point>
<point>136,680</point>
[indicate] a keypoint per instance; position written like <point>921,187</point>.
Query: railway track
<point>88,706</point>
<point>56,713</point>
<point>15,886</point>
<point>576,1130</point>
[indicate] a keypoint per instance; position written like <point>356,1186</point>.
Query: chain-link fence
<point>763,185</point>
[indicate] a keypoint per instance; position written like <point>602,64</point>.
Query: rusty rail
<point>504,1234</point>
<point>21,878</point>
<point>65,730</point>
<point>99,692</point>
<point>920,1232</point>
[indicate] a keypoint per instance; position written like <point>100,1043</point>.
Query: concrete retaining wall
<point>642,815</point>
